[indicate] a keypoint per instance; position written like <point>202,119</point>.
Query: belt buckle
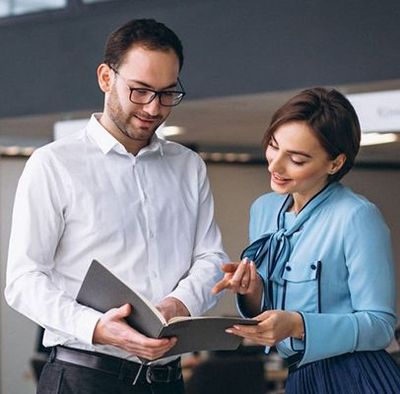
<point>168,372</point>
<point>152,378</point>
<point>149,375</point>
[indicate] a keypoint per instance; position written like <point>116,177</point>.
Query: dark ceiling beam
<point>232,47</point>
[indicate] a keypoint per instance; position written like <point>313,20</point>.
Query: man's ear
<point>104,77</point>
<point>337,163</point>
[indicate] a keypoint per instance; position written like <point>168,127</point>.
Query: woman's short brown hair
<point>332,118</point>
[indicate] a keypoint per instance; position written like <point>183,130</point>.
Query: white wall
<point>17,333</point>
<point>234,186</point>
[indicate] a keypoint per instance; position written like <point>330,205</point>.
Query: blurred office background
<point>242,60</point>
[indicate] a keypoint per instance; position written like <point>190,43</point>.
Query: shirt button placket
<point>150,230</point>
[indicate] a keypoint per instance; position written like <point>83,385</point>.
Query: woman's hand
<point>240,277</point>
<point>274,326</point>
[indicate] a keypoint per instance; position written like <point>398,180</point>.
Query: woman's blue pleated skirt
<point>372,372</point>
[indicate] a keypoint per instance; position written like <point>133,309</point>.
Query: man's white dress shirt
<point>148,218</point>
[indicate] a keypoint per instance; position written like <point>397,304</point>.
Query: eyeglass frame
<point>156,93</point>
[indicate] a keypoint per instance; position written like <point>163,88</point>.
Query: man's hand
<point>171,307</point>
<point>112,329</point>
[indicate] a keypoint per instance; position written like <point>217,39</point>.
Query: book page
<point>183,318</point>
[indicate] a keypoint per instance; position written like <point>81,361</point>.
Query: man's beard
<point>123,120</point>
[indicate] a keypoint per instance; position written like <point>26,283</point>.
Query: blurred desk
<point>278,376</point>
<point>275,379</point>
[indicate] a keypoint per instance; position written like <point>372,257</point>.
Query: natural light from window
<point>19,7</point>
<point>96,1</point>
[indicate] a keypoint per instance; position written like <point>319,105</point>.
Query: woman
<point>318,273</point>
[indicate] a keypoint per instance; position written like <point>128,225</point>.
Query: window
<point>95,1</point>
<point>18,7</point>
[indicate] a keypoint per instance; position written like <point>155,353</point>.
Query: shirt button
<point>288,268</point>
<point>313,267</point>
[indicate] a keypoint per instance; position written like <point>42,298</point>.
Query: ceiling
<point>226,124</point>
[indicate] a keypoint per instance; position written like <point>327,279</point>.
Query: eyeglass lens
<point>145,96</point>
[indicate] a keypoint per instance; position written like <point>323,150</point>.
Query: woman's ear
<point>104,78</point>
<point>337,163</point>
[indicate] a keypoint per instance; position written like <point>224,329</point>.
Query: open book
<point>101,290</point>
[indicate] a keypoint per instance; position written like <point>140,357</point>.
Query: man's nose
<point>153,108</point>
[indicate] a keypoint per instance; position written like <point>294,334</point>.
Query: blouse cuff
<point>299,345</point>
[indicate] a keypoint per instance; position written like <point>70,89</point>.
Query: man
<point>140,205</point>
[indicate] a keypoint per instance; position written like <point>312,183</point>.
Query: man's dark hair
<point>143,32</point>
<point>331,117</point>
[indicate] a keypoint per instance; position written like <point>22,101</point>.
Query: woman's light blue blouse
<point>338,273</point>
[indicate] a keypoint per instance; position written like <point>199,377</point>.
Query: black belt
<point>128,371</point>
<point>292,362</point>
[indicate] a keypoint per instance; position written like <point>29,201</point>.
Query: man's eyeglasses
<point>168,98</point>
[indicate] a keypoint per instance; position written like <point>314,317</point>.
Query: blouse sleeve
<point>371,282</point>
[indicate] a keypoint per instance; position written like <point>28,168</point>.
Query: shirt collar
<point>107,142</point>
